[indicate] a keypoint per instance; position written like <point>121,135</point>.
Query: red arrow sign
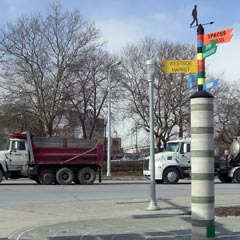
<point>222,36</point>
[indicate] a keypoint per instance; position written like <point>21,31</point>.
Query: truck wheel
<point>224,178</point>
<point>46,177</point>
<point>171,175</point>
<point>236,176</point>
<point>86,176</point>
<point>64,176</point>
<point>1,175</point>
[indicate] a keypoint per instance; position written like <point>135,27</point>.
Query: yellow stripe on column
<point>201,81</point>
<point>199,56</point>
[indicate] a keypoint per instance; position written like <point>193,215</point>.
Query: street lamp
<point>150,71</point>
<point>109,118</point>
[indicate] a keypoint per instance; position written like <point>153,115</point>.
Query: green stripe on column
<point>202,107</point>
<point>201,75</point>
<point>202,130</point>
<point>202,200</point>
<point>202,153</point>
<point>202,176</point>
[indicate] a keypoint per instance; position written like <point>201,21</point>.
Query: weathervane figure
<point>194,14</point>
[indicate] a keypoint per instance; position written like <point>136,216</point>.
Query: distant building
<point>93,127</point>
<point>99,133</point>
<point>116,147</point>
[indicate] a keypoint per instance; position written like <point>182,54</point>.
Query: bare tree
<point>227,110</point>
<point>88,91</point>
<point>39,53</point>
<point>171,98</point>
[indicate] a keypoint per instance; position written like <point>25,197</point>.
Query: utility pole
<point>109,119</point>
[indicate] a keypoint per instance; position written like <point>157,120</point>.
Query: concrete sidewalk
<point>105,220</point>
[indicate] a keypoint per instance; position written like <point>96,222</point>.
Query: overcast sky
<point>128,21</point>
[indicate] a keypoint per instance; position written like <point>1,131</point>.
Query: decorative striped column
<point>202,155</point>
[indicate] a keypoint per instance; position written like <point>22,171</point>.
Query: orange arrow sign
<point>222,36</point>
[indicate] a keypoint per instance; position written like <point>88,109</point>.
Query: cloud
<point>118,33</point>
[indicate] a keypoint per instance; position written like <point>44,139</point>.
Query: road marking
<point>28,230</point>
<point>21,234</point>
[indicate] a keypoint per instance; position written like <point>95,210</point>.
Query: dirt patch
<point>227,211</point>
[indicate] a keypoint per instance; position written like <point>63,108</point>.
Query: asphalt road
<point>25,192</point>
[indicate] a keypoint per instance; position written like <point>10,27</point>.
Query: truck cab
<point>14,159</point>
<point>172,164</point>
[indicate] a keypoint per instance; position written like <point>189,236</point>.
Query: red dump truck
<point>51,160</point>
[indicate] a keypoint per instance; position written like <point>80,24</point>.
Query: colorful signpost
<point>202,132</point>
<point>221,36</point>
<point>209,48</point>
<point>179,66</point>
<point>202,129</point>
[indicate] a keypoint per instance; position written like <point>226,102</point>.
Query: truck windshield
<point>15,145</point>
<point>172,146</point>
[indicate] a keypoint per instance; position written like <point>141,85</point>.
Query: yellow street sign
<point>179,66</point>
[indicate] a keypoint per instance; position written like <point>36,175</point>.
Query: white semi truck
<point>172,164</point>
<point>175,163</point>
<point>230,171</point>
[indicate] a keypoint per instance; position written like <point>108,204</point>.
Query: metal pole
<point>109,119</point>
<point>136,139</point>
<point>150,70</point>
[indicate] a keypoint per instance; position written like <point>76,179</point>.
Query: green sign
<point>209,49</point>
